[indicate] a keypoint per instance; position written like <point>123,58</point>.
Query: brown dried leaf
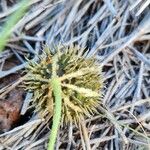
<point>10,109</point>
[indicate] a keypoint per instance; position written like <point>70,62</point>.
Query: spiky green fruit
<point>81,83</point>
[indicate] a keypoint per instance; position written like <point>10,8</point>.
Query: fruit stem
<point>56,87</point>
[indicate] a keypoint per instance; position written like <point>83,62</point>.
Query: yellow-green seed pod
<point>81,83</point>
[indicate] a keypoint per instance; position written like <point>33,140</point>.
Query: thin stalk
<point>12,21</point>
<point>56,87</point>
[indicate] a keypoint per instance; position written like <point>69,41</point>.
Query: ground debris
<point>10,106</point>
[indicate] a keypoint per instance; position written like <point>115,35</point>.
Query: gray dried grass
<point>117,33</point>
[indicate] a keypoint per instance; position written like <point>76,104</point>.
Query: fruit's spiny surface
<point>81,82</point>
